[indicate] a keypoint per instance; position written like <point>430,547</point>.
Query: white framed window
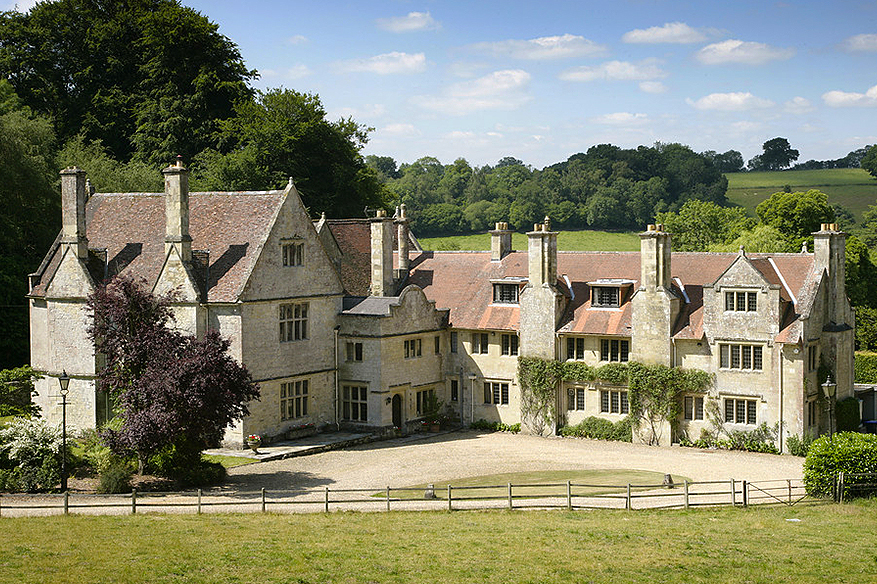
<point>744,357</point>
<point>812,413</point>
<point>614,350</point>
<point>294,399</point>
<point>413,348</point>
<point>510,344</point>
<point>454,341</point>
<point>605,296</point>
<point>741,411</point>
<point>293,322</point>
<point>480,343</point>
<point>354,351</point>
<point>293,253</point>
<point>575,348</point>
<point>496,393</point>
<point>354,403</point>
<point>437,341</point>
<point>693,407</point>
<point>455,390</point>
<point>738,301</point>
<point>575,398</point>
<point>614,401</point>
<point>505,293</point>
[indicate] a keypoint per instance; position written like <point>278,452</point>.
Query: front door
<point>397,411</point>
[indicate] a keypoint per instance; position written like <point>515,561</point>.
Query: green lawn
<point>611,477</point>
<point>584,240</point>
<point>853,188</point>
<point>811,544</point>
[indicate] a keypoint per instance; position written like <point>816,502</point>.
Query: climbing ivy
<point>654,391</point>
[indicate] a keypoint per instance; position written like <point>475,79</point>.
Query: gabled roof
<point>231,226</point>
<point>461,282</point>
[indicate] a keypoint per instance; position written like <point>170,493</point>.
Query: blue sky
<point>541,81</point>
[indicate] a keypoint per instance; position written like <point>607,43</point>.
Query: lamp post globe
<point>829,389</point>
<point>64,382</point>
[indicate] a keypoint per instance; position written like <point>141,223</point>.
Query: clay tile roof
<point>230,226</point>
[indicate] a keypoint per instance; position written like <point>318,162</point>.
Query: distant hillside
<point>584,240</point>
<point>853,188</point>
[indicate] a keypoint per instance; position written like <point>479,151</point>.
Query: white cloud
<point>398,130</point>
<point>747,53</point>
<point>652,87</point>
<point>551,47</point>
<point>621,119</point>
<point>500,90</point>
<point>798,105</point>
<point>672,32</point>
<point>411,22</point>
<point>740,101</point>
<point>298,39</point>
<point>369,110</point>
<point>388,64</point>
<point>838,98</point>
<point>621,70</point>
<point>864,43</point>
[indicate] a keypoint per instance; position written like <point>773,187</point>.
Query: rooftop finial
<point>804,246</point>
<point>742,251</point>
<point>179,162</point>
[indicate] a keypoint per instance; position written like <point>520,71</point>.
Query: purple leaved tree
<point>170,389</point>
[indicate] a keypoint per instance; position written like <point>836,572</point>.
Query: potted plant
<point>254,441</point>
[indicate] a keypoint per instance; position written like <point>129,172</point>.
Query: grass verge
<point>816,543</point>
<point>228,461</point>
<point>606,477</point>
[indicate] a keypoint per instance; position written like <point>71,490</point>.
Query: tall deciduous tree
<point>146,77</point>
<point>869,161</point>
<point>797,214</point>
<point>777,154</point>
<point>170,388</point>
<point>282,134</point>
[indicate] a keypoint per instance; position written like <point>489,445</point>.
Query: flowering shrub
<point>30,456</point>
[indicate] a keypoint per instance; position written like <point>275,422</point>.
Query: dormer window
<point>609,292</point>
<point>506,291</point>
<point>605,296</point>
<point>741,301</point>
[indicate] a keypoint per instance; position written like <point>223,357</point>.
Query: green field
<point>853,188</point>
<point>815,543</point>
<point>584,240</point>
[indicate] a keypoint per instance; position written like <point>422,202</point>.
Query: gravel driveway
<point>466,453</point>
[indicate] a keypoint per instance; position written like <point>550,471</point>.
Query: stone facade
<point>347,323</point>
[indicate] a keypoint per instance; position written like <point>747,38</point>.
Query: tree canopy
<point>148,78</point>
<point>777,154</point>
<point>170,389</point>
<point>869,161</point>
<point>798,215</point>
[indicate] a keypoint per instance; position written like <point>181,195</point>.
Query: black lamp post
<point>64,380</point>
<point>829,389</point>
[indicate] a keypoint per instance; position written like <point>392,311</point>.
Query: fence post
<point>685,492</point>
<point>199,501</point>
<point>840,490</point>
<point>790,490</point>
<point>1,505</point>
<point>264,507</point>
<point>449,497</point>
<point>327,499</point>
<point>133,501</point>
<point>745,494</point>
<point>510,495</point>
<point>388,497</point>
<point>733,493</point>
<point>627,501</point>
<point>568,496</point>
<point>66,502</point>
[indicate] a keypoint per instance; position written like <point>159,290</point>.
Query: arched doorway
<point>397,411</point>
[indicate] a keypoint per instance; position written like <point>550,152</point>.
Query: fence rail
<point>562,495</point>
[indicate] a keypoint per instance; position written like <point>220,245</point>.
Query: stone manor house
<point>349,323</point>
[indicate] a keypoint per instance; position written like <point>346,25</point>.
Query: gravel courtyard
<point>467,453</point>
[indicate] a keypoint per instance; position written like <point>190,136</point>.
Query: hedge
<point>848,452</point>
<point>866,367</point>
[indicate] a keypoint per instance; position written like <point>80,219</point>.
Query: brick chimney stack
<point>829,249</point>
<point>176,198</point>
<point>74,196</point>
